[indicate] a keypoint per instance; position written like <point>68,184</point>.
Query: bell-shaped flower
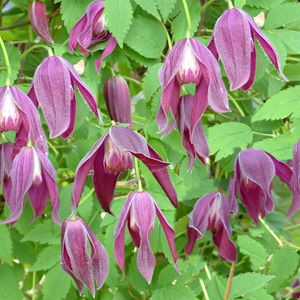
<point>189,61</point>
<point>253,174</point>
<point>138,213</point>
<point>31,173</point>
<point>117,99</point>
<point>91,29</point>
<point>53,89</point>
<point>295,181</point>
<point>18,113</point>
<point>111,155</point>
<point>82,256</point>
<point>6,151</point>
<point>38,20</point>
<point>211,212</point>
<point>233,41</point>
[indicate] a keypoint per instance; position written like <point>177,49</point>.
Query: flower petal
<point>110,47</point>
<point>76,30</point>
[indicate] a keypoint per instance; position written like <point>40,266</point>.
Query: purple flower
<point>6,151</point>
<point>295,286</point>
<point>295,181</point>
<point>138,213</point>
<point>53,89</point>
<point>82,256</point>
<point>191,62</point>
<point>38,20</point>
<point>110,156</point>
<point>253,175</point>
<point>233,40</point>
<point>90,29</point>
<point>31,172</point>
<point>211,212</point>
<point>117,99</point>
<point>18,113</point>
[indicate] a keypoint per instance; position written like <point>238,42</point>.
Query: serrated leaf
<point>118,14</point>
<point>290,38</point>
<point>147,37</point>
<point>57,284</point>
<point>150,82</point>
<point>133,55</point>
<point>280,106</point>
<point>47,258</point>
<point>246,283</point>
<point>224,138</point>
<point>259,295</point>
<point>239,3</point>
<point>5,245</point>
<point>171,292</point>
<point>256,251</point>
<point>266,4</point>
<point>165,7</point>
<point>149,6</point>
<point>9,287</point>
<point>284,264</point>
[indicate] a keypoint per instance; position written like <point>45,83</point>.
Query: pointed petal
<point>70,129</point>
<point>6,161</point>
<point>75,32</point>
<point>110,47</point>
<point>193,235</point>
<point>250,81</point>
<point>212,48</point>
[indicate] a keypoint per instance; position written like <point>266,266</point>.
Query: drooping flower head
<point>53,89</point>
<point>189,61</point>
<point>117,99</point>
<point>91,29</point>
<point>233,41</point>
<point>211,212</point>
<point>38,20</point>
<point>111,155</point>
<point>82,256</point>
<point>138,213</point>
<point>31,173</point>
<point>18,113</point>
<point>253,174</point>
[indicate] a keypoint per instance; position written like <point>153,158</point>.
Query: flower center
<point>99,32</point>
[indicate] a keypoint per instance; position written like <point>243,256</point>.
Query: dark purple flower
<point>295,181</point>
<point>117,99</point>
<point>295,286</point>
<point>111,155</point>
<point>138,213</point>
<point>234,41</point>
<point>38,20</point>
<point>31,172</point>
<point>82,256</point>
<point>211,212</point>
<point>189,61</point>
<point>6,151</point>
<point>253,175</point>
<point>91,29</point>
<point>18,113</point>
<point>53,89</point>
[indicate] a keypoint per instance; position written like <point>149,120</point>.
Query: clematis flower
<point>82,256</point>
<point>211,212</point>
<point>236,27</point>
<point>117,99</point>
<point>295,181</point>
<point>111,155</point>
<point>296,291</point>
<point>253,174</point>
<point>91,29</point>
<point>18,113</point>
<point>6,151</point>
<point>139,212</point>
<point>53,89</point>
<point>38,20</point>
<point>189,61</point>
<point>31,172</point>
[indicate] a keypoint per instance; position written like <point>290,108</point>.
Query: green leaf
<point>280,106</point>
<point>118,14</point>
<point>284,264</point>
<point>216,288</point>
<point>292,72</point>
<point>150,82</point>
<point>71,11</point>
<point>179,25</point>
<point>239,3</point>
<point>165,7</point>
<point>149,6</point>
<point>9,287</point>
<point>266,4</point>
<point>147,37</point>
<point>283,15</point>
<point>259,295</point>
<point>224,138</point>
<point>256,251</point>
<point>246,283</point>
<point>57,284</point>
<point>5,245</point>
<point>171,292</point>
<point>290,38</point>
<point>47,258</point>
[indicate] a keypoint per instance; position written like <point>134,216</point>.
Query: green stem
<point>112,71</point>
<point>132,79</point>
<point>230,4</point>
<point>167,34</point>
<point>53,148</point>
<point>6,59</point>
<point>87,196</point>
<point>33,297</point>
<point>206,4</point>
<point>237,105</point>
<point>49,50</point>
<point>229,282</point>
<point>137,174</point>
<point>291,227</point>
<point>188,18</point>
<point>204,289</point>
<point>263,134</point>
<point>207,272</point>
<point>278,240</point>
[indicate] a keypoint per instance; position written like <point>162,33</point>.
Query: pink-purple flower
<point>82,256</point>
<point>233,41</point>
<point>138,213</point>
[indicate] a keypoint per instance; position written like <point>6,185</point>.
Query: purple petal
<point>250,81</point>
<point>75,32</point>
<point>232,191</point>
<point>110,47</point>
<point>6,150</point>
<point>70,129</point>
<point>212,48</point>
